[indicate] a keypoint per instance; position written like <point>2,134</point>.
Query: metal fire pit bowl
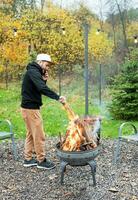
<point>77,158</point>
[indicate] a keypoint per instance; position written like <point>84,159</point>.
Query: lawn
<point>54,116</point>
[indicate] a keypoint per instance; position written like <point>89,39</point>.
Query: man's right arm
<point>41,86</point>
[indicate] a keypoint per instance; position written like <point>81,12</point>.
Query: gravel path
<point>113,182</point>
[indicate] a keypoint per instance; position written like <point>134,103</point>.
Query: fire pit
<point>77,158</point>
<point>80,145</point>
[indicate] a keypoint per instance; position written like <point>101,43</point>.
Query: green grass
<point>54,116</point>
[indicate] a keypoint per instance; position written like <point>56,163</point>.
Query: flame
<point>77,134</point>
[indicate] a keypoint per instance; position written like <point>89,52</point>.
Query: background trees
<point>29,27</point>
<point>39,28</point>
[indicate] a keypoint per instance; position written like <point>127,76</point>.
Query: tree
<point>100,46</point>
<point>13,47</point>
<point>124,103</point>
<point>132,30</point>
<point>83,14</point>
<point>132,14</point>
<point>45,34</point>
<point>119,16</point>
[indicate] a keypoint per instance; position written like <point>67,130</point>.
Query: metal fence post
<point>100,84</point>
<point>86,66</point>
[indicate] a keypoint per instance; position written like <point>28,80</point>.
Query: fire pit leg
<point>92,164</point>
<point>62,168</point>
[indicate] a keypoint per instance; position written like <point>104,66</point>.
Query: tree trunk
<point>122,18</point>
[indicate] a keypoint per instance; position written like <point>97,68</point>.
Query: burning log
<point>82,133</point>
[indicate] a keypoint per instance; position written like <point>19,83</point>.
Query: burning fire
<point>82,133</point>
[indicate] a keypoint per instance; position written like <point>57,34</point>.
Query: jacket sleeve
<point>41,86</point>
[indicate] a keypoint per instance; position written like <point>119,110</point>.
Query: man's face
<point>45,65</point>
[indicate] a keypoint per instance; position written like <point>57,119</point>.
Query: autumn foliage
<point>53,30</point>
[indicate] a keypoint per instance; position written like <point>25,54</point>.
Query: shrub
<point>124,103</point>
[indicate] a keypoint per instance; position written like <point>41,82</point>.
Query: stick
<point>71,114</point>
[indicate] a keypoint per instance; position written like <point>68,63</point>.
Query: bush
<point>125,90</point>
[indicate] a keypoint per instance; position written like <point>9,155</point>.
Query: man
<point>33,87</point>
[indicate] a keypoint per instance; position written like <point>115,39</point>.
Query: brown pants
<point>35,137</point>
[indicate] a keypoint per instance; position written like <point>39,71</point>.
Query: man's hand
<point>62,99</point>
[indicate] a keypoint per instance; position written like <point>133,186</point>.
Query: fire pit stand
<point>77,158</point>
<point>92,164</point>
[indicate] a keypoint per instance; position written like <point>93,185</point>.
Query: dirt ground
<point>113,182</point>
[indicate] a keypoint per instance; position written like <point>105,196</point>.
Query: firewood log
<point>71,114</point>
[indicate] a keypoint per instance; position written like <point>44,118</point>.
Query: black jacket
<point>33,86</point>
